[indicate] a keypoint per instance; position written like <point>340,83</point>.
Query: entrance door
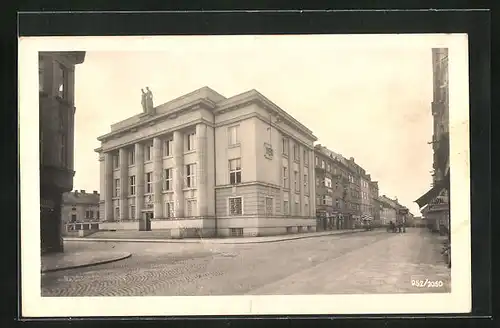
<point>148,216</point>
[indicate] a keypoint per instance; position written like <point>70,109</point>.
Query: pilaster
<point>178,173</point>
<point>157,178</point>
<point>108,184</point>
<point>123,184</point>
<point>139,179</point>
<point>301,181</point>
<point>201,167</point>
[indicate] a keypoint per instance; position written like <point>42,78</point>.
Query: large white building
<point>204,164</point>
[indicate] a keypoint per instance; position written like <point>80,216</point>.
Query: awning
<point>434,192</point>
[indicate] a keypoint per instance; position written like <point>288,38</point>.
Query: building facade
<point>207,165</point>
<point>434,204</point>
<point>374,202</point>
<point>56,79</point>
<point>354,176</point>
<point>79,207</point>
<point>389,210</point>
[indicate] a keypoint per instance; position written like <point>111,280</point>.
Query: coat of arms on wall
<point>268,151</point>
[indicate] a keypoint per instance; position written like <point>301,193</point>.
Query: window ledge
<point>236,145</point>
<point>167,191</point>
<point>189,188</point>
<point>189,151</point>
<point>167,157</point>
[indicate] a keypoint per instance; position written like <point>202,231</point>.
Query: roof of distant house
<point>80,197</point>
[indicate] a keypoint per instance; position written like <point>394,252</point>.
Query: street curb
<point>116,259</point>
<point>202,241</point>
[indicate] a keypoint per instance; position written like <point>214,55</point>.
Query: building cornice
<point>163,132</point>
<point>254,97</point>
<point>191,106</point>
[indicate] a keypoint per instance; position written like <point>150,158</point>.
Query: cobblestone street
<point>365,262</point>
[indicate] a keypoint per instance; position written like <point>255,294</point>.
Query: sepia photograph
<point>277,174</point>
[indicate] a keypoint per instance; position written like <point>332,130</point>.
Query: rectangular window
<point>169,209</point>
<point>296,180</point>
<point>191,207</point>
<point>284,146</point>
<point>286,208</point>
<point>132,212</point>
<point>306,208</point>
<point>167,179</point>
<point>131,183</point>
<point>328,167</point>
<point>285,177</point>
<point>97,215</point>
<point>323,164</point>
<point>88,214</point>
<point>232,133</point>
<point>235,171</point>
<point>149,182</point>
<point>116,161</point>
<point>116,188</point>
<point>306,182</point>
<point>296,152</point>
<point>41,68</point>
<point>235,206</point>
<point>167,147</point>
<point>117,213</point>
<point>148,152</point>
<point>297,207</point>
<point>306,157</point>
<point>131,156</point>
<point>191,175</point>
<point>190,141</point>
<point>316,160</point>
<point>61,80</point>
<point>317,182</point>
<point>269,206</point>
<point>327,182</point>
<point>64,151</point>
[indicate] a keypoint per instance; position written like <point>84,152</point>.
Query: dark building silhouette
<point>56,74</point>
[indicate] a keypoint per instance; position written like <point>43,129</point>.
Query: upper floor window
<point>285,177</point>
<point>296,180</point>
<point>131,182</point>
<point>306,157</point>
<point>233,135</point>
<point>116,188</point>
<point>327,182</point>
<point>167,179</point>
<point>148,152</point>
<point>61,80</point>
<point>323,164</point>
<point>167,147</point>
<point>64,150</point>
<point>149,182</point>
<point>284,146</point>
<point>191,175</point>
<point>269,206</point>
<point>328,167</point>
<point>306,184</point>
<point>131,156</point>
<point>190,141</point>
<point>296,152</point>
<point>316,160</point>
<point>41,75</point>
<point>235,171</point>
<point>116,161</point>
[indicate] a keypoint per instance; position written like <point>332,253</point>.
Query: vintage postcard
<point>244,175</point>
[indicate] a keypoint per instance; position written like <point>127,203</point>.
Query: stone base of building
<point>220,227</point>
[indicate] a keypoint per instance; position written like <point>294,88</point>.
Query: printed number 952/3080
<point>427,283</point>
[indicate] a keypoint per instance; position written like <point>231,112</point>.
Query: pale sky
<point>367,99</point>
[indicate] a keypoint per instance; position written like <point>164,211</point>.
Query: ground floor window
<point>117,213</point>
<point>169,209</point>
<point>286,208</point>
<point>191,207</point>
<point>235,206</point>
<point>132,212</point>
<point>269,206</point>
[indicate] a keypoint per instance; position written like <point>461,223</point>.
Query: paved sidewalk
<point>244,240</point>
<point>71,260</point>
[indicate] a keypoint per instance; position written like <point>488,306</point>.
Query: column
<point>301,181</point>
<point>123,184</point>
<point>139,180</point>
<point>102,187</point>
<point>291,170</point>
<point>178,173</point>
<point>108,183</point>
<point>158,178</point>
<point>201,168</point>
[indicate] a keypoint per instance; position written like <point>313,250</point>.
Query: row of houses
<point>206,165</point>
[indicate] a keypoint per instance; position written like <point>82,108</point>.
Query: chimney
<point>82,191</point>
<point>76,193</point>
<point>95,192</point>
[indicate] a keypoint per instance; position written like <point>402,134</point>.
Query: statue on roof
<point>147,101</point>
